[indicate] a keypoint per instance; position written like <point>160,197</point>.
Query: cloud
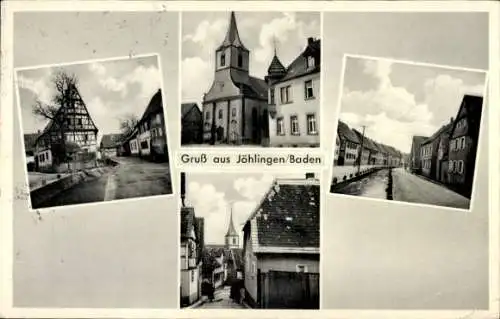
<point>252,188</point>
<point>97,68</point>
<point>40,87</point>
<point>280,30</point>
<point>381,70</point>
<point>195,72</point>
<point>208,34</point>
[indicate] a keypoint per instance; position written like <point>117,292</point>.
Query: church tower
<point>232,53</point>
<point>232,237</point>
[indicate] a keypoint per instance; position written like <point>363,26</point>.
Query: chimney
<point>183,188</point>
<point>38,131</point>
<point>309,175</point>
<point>310,40</point>
<point>451,119</point>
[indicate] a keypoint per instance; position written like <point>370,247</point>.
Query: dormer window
<point>240,60</point>
<point>222,59</point>
<point>310,62</point>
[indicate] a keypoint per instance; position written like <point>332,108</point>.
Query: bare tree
<point>65,85</point>
<point>128,124</point>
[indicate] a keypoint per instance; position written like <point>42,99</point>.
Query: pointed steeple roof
<point>232,36</point>
<point>276,68</point>
<point>231,231</point>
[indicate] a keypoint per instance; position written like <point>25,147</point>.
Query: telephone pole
<point>361,148</point>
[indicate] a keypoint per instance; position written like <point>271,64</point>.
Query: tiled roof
<point>251,86</point>
<point>299,66</point>
<point>155,105</point>
<point>186,107</point>
<point>276,67</point>
<point>345,132</point>
<point>367,143</point>
<point>187,221</point>
<point>442,130</point>
<point>289,216</point>
<point>110,140</point>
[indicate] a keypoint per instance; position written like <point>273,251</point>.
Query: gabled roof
<point>232,36</point>
<point>298,67</point>
<point>187,107</point>
<point>367,143</point>
<point>473,105</point>
<point>445,129</point>
<point>231,231</point>
<point>276,68</point>
<point>344,132</point>
<point>155,105</point>
<point>110,140</point>
<point>287,217</point>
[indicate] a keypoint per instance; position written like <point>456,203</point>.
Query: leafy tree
<point>128,124</point>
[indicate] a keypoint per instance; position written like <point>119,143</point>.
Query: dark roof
<point>417,139</point>
<point>231,231</point>
<point>110,140</point>
<point>442,130</point>
<point>186,107</point>
<point>473,105</point>
<point>345,132</point>
<point>367,143</point>
<point>187,221</point>
<point>155,105</point>
<point>289,216</point>
<point>299,66</point>
<point>251,86</point>
<point>30,141</point>
<point>276,68</point>
<point>232,36</point>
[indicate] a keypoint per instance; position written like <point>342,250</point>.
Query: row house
<point>293,98</point>
<point>191,247</point>
<point>349,145</point>
<point>364,149</point>
<point>449,155</point>
<point>148,139</point>
<point>281,246</point>
<point>415,160</point>
<point>70,135</point>
<point>109,144</point>
<point>463,144</point>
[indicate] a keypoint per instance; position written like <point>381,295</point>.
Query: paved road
<point>415,189</point>
<point>373,186</point>
<point>222,301</point>
<point>133,177</point>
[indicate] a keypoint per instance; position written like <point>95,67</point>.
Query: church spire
<point>231,231</point>
<point>232,36</point>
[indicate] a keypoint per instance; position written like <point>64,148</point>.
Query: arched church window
<point>222,59</point>
<point>220,115</point>
<point>240,60</point>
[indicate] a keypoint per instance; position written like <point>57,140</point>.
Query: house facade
<point>189,258</point>
<point>349,145</point>
<point>463,144</point>
<point>191,124</point>
<point>293,98</point>
<point>364,150</point>
<point>272,246</point>
<point>337,150</point>
<point>235,109</point>
<point>108,145</point>
<point>70,133</point>
<point>148,139</point>
<point>415,160</point>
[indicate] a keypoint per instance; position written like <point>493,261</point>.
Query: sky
<point>111,90</point>
<point>212,199</point>
<point>203,32</point>
<point>395,101</point>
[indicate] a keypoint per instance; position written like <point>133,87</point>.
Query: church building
<point>235,107</point>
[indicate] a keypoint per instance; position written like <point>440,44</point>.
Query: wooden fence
<point>288,290</point>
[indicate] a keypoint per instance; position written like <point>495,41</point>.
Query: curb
<point>425,178</point>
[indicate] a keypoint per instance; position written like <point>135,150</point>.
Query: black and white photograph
<point>249,240</point>
<point>94,131</point>
<point>408,132</point>
<point>250,79</point>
